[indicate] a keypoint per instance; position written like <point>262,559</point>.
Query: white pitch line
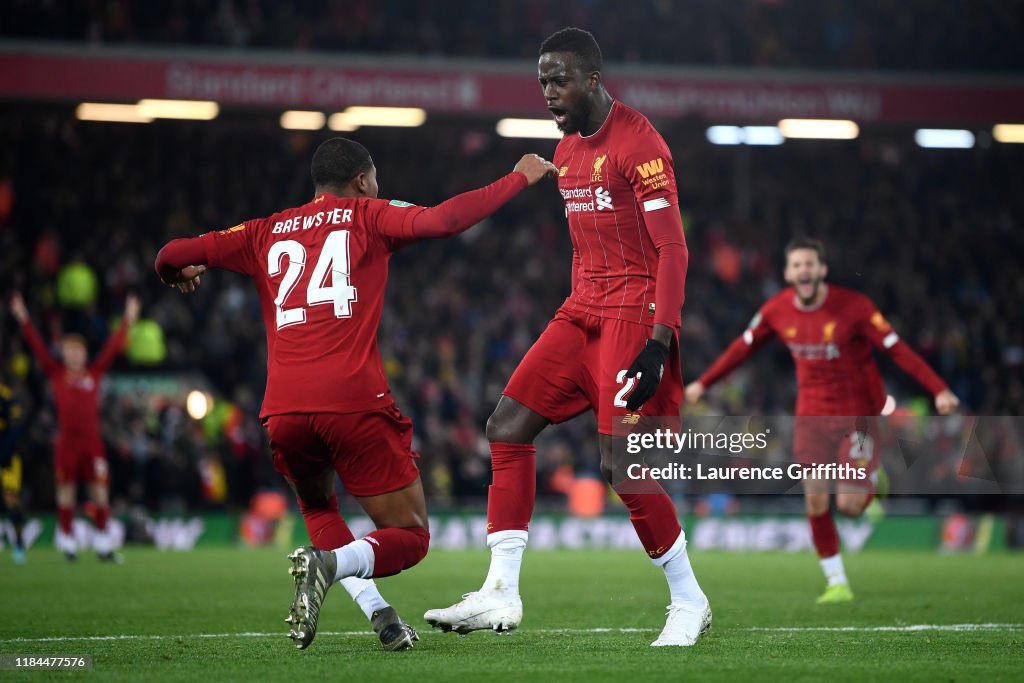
<point>910,628</point>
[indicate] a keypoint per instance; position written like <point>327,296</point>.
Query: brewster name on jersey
<point>308,280</point>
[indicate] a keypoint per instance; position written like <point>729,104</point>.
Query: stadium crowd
<point>960,35</point>
<point>934,237</point>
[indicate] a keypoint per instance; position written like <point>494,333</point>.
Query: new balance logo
<point>604,199</point>
<point>649,168</point>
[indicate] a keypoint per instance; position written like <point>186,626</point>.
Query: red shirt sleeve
<point>648,167</point>
<point>873,325</point>
<point>39,349</point>
<point>666,230</point>
<point>109,352</point>
<point>403,224</point>
<point>229,249</point>
<point>178,254</point>
<point>743,347</point>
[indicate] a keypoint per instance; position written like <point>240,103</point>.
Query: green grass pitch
<point>217,615</point>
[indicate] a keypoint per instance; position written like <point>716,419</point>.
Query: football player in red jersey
<point>830,332</point>
<point>78,453</point>
<point>613,345</point>
<point>321,270</point>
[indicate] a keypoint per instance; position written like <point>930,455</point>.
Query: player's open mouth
<point>560,115</point>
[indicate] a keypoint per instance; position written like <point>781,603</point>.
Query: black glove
<point>648,369</point>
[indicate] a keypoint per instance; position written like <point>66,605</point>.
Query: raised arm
<point>35,342</point>
<point>742,348</point>
<point>115,345</point>
<point>465,210</point>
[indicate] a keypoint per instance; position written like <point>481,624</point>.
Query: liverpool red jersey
<point>612,183</point>
<point>76,395</point>
<point>831,345</point>
<point>320,270</point>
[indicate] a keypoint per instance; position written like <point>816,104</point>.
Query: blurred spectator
<point>979,35</point>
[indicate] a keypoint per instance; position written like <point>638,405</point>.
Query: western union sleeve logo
<point>880,323</point>
<point>650,168</point>
<point>240,226</point>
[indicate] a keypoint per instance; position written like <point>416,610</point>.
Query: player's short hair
<point>337,161</point>
<point>75,338</point>
<point>580,43</point>
<point>807,243</point>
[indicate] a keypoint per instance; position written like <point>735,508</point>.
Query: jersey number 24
<point>330,282</point>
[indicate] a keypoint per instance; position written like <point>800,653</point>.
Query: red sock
<point>324,524</point>
<point>824,534</point>
<point>396,549</point>
<point>102,516</point>
<point>654,517</point>
<point>64,518</point>
<point>513,486</point>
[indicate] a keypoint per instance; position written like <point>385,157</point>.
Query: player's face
<point>805,272</point>
<point>74,355</point>
<point>567,90</point>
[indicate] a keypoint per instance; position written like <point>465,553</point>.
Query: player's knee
<point>419,547</point>
<point>851,506</point>
<point>502,429</point>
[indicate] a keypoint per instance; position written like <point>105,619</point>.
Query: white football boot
<point>479,611</point>
<point>686,623</point>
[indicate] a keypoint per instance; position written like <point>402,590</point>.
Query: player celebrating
<point>321,270</point>
<point>608,345</point>
<point>79,454</point>
<point>10,469</point>
<point>830,332</point>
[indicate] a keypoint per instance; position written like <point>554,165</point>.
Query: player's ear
<point>361,184</point>
<point>594,81</point>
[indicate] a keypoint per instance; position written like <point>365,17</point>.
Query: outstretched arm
<point>877,329</point>
<point>32,337</point>
<point>180,263</point>
<point>741,349</point>
<point>463,211</point>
